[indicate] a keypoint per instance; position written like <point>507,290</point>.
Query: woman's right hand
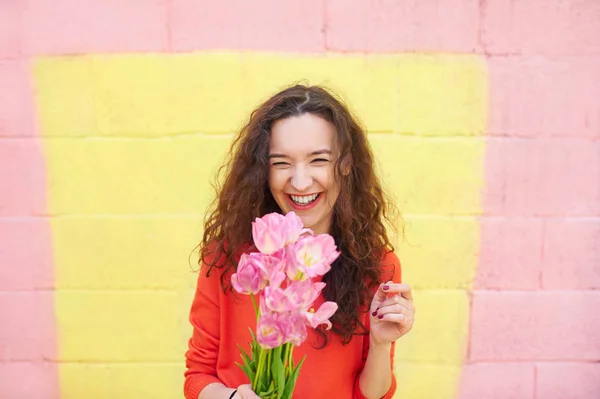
<point>245,392</point>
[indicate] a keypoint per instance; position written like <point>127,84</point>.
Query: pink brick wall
<point>535,328</point>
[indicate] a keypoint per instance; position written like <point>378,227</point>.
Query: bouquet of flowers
<point>281,276</point>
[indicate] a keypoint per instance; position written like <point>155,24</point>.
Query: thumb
<point>245,391</point>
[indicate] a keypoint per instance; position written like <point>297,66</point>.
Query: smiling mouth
<point>303,200</point>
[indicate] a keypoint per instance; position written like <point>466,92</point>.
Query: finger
<point>403,289</point>
<point>404,320</point>
<point>246,392</point>
<point>399,319</point>
<point>380,294</point>
<point>399,300</point>
<point>394,308</point>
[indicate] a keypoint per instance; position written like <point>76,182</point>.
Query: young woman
<point>302,151</point>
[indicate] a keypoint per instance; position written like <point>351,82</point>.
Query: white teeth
<point>304,199</point>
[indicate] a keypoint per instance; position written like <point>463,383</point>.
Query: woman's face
<point>302,154</point>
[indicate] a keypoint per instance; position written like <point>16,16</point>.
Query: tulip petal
<point>321,316</point>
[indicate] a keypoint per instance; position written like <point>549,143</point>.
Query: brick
<point>16,101</point>
<point>439,252</point>
<point>510,256</point>
<point>543,325</point>
<point>389,93</point>
<point>260,25</point>
<point>387,26</point>
<point>367,84</point>
<point>64,96</point>
<point>541,27</point>
<point>26,254</point>
<point>191,93</point>
<point>11,29</point>
<point>187,94</point>
<point>167,176</point>
<point>148,326</point>
<point>73,27</point>
<point>22,178</point>
<point>497,381</point>
<point>414,380</point>
<point>125,103</point>
<point>25,380</point>
<point>542,177</point>
<point>523,103</point>
<point>571,254</point>
<point>28,332</point>
<point>435,176</point>
<point>568,380</point>
<point>96,381</point>
<point>442,95</point>
<point>440,332</point>
<point>216,92</point>
<point>134,253</point>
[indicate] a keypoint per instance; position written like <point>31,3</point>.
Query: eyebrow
<point>318,152</point>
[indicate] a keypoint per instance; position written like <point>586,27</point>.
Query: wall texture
<point>485,119</point>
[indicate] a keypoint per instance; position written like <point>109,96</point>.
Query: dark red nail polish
<point>386,287</point>
<point>374,313</point>
<point>381,316</point>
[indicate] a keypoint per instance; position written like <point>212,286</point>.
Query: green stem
<point>290,358</point>
<point>259,368</point>
<point>255,306</point>
<point>284,359</point>
<point>284,355</point>
<point>269,355</point>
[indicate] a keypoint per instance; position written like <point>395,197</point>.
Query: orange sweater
<point>221,322</point>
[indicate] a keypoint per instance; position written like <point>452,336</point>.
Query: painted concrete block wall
<point>485,119</point>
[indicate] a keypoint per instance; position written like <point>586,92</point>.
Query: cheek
<point>327,180</point>
<point>276,181</point>
<point>330,184</point>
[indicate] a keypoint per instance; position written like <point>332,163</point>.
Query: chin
<point>311,224</point>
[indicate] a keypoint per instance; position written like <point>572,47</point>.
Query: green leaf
<point>248,371</point>
<point>255,347</point>
<point>278,372</point>
<point>268,393</point>
<point>245,357</point>
<point>260,387</point>
<point>291,382</point>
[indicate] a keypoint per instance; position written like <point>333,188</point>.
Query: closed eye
<point>320,160</point>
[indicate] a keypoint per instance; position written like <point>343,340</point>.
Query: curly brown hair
<point>360,214</point>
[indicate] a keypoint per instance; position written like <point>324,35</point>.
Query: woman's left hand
<point>392,313</point>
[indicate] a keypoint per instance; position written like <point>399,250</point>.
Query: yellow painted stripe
<point>131,141</point>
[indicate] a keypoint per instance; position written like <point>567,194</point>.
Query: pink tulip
<point>298,295</point>
<point>274,231</point>
<point>311,256</point>
<point>294,326</point>
<point>248,278</point>
<point>269,332</point>
<point>274,267</point>
<point>308,293</point>
<point>279,300</point>
<point>321,316</point>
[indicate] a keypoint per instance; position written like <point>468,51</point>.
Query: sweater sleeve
<point>203,346</point>
<point>391,271</point>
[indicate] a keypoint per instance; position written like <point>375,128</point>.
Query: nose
<point>301,179</point>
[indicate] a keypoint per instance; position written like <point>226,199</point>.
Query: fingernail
<point>386,287</point>
<point>381,316</point>
<point>374,313</point>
